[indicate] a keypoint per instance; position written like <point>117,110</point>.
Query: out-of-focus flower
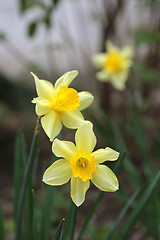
<point>115,64</point>
<point>60,104</point>
<point>80,164</point>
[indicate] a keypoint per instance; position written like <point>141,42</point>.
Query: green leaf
<point>47,20</point>
<point>34,168</point>
<point>157,148</point>
<point>24,150</point>
<point>134,216</point>
<point>46,213</point>
<point>146,36</point>
<point>59,231</point>
<point>2,232</point>
<point>55,2</point>
<point>120,146</point>
<point>29,213</point>
<point>32,27</point>
<point>73,221</point>
<point>3,36</point>
<point>145,73</point>
<point>69,221</point>
<point>17,172</point>
<point>121,215</point>
<point>139,134</point>
<point>27,175</point>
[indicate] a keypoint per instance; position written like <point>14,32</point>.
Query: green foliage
<point>145,74</point>
<point>46,17</point>
<point>148,201</point>
<point>146,36</point>
<point>32,27</point>
<point>2,231</point>
<point>37,216</point>
<point>59,231</point>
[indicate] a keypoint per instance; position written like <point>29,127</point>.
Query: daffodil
<point>114,65</point>
<point>80,164</point>
<point>60,104</point>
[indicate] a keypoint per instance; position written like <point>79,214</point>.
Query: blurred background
<point>50,37</point>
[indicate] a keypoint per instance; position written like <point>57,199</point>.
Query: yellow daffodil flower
<point>115,64</point>
<point>80,164</point>
<point>60,104</point>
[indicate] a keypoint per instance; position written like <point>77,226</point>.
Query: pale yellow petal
<point>103,76</point>
<point>119,85</point>
<point>72,119</point>
<point>44,88</point>
<point>78,190</point>
<point>110,48</point>
<point>85,98</point>
<point>85,138</point>
<point>58,173</point>
<point>65,79</point>
<point>105,179</point>
<point>127,52</point>
<point>119,80</point>
<point>99,59</point>
<point>107,154</point>
<point>51,124</point>
<point>42,106</point>
<point>128,64</point>
<point>63,149</point>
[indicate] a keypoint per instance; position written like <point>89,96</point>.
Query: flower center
<point>113,63</point>
<point>83,165</point>
<point>67,99</point>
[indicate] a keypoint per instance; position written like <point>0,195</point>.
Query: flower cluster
<point>78,163</point>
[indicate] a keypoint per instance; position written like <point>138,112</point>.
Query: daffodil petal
<point>51,124</point>
<point>103,76</point>
<point>110,47</point>
<point>127,52</point>
<point>65,79</point>
<point>105,179</point>
<point>63,149</point>
<point>107,154</point>
<point>42,106</point>
<point>85,138</point>
<point>119,85</point>
<point>44,88</point>
<point>72,119</point>
<point>99,59</point>
<point>58,173</point>
<point>78,190</point>
<point>118,80</point>
<point>85,98</point>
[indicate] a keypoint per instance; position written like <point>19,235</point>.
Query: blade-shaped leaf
<point>121,215</point>
<point>59,231</point>
<point>2,232</point>
<point>133,218</point>
<point>17,172</point>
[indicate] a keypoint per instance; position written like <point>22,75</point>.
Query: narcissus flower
<point>81,164</point>
<point>115,64</point>
<point>60,104</point>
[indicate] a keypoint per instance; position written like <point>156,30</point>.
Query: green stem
<point>90,214</point>
<point>25,181</point>
<point>73,221</point>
